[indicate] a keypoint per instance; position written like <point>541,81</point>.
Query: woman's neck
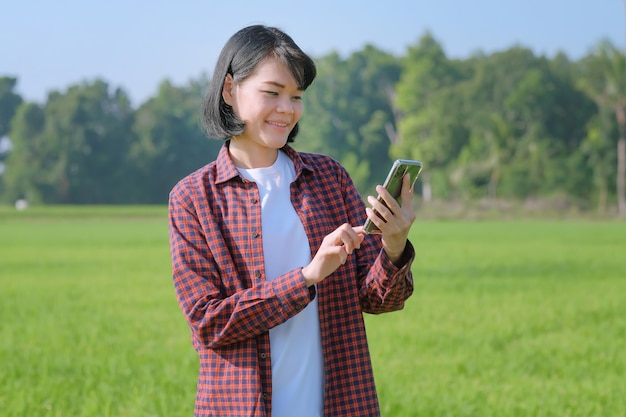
<point>244,157</point>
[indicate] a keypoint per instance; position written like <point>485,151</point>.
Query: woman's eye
<point>271,93</point>
<point>297,98</point>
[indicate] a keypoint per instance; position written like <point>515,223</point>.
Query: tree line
<point>508,125</point>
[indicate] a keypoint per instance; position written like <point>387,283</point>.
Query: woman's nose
<point>285,106</point>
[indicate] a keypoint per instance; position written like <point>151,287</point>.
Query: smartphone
<point>393,184</point>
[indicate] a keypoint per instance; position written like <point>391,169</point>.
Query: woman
<point>271,266</point>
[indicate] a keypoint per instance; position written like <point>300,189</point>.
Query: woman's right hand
<point>334,251</point>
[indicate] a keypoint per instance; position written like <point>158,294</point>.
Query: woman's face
<point>270,103</point>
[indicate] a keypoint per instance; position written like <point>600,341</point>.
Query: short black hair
<point>240,57</point>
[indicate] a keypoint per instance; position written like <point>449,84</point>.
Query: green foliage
<point>429,125</point>
<point>74,149</point>
<point>509,125</point>
<point>9,101</point>
<point>604,79</point>
<point>22,181</point>
<point>508,318</point>
<point>170,143</point>
<point>600,153</point>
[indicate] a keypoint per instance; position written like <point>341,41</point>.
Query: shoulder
<point>325,174</point>
<point>322,164</point>
<point>315,164</point>
<point>194,184</point>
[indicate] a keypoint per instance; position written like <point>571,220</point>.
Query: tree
<point>428,113</point>
<point>484,158</point>
<point>604,79</point>
<point>23,177</point>
<point>170,142</point>
<point>525,120</point>
<point>74,150</point>
<point>599,153</point>
<point>9,102</point>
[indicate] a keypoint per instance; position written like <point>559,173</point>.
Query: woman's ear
<point>228,91</point>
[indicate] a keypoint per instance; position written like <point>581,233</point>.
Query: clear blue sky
<point>135,44</point>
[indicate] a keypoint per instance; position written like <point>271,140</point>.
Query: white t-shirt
<point>296,345</point>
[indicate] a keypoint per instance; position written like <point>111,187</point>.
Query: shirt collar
<point>226,169</point>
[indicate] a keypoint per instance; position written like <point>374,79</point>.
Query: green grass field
<point>508,318</point>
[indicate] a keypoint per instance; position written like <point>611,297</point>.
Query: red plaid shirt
<point>218,272</point>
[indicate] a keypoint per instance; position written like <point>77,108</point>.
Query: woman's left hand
<point>397,218</point>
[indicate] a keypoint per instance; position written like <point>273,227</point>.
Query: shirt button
<point>257,274</point>
<point>263,355</point>
<point>253,200</point>
<point>255,234</point>
<point>265,395</point>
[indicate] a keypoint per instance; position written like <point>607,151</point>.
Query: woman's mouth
<point>278,124</point>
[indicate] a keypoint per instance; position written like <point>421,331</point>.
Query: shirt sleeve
<point>383,285</point>
<point>387,286</point>
<point>216,318</point>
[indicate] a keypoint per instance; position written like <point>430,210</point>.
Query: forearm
<point>220,301</point>
<point>218,320</point>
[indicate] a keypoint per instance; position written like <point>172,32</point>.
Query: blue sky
<point>135,44</point>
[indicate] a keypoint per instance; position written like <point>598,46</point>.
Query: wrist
<point>306,275</point>
<point>394,255</point>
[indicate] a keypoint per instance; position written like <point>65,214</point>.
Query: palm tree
<point>604,80</point>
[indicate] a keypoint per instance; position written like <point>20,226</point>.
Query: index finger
<point>359,230</point>
<point>350,238</point>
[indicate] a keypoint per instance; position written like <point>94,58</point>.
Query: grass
<point>508,318</point>
<point>90,324</point>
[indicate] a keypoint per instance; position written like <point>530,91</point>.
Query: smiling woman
<point>254,236</point>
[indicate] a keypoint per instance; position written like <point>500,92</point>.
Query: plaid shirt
<point>218,272</point>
